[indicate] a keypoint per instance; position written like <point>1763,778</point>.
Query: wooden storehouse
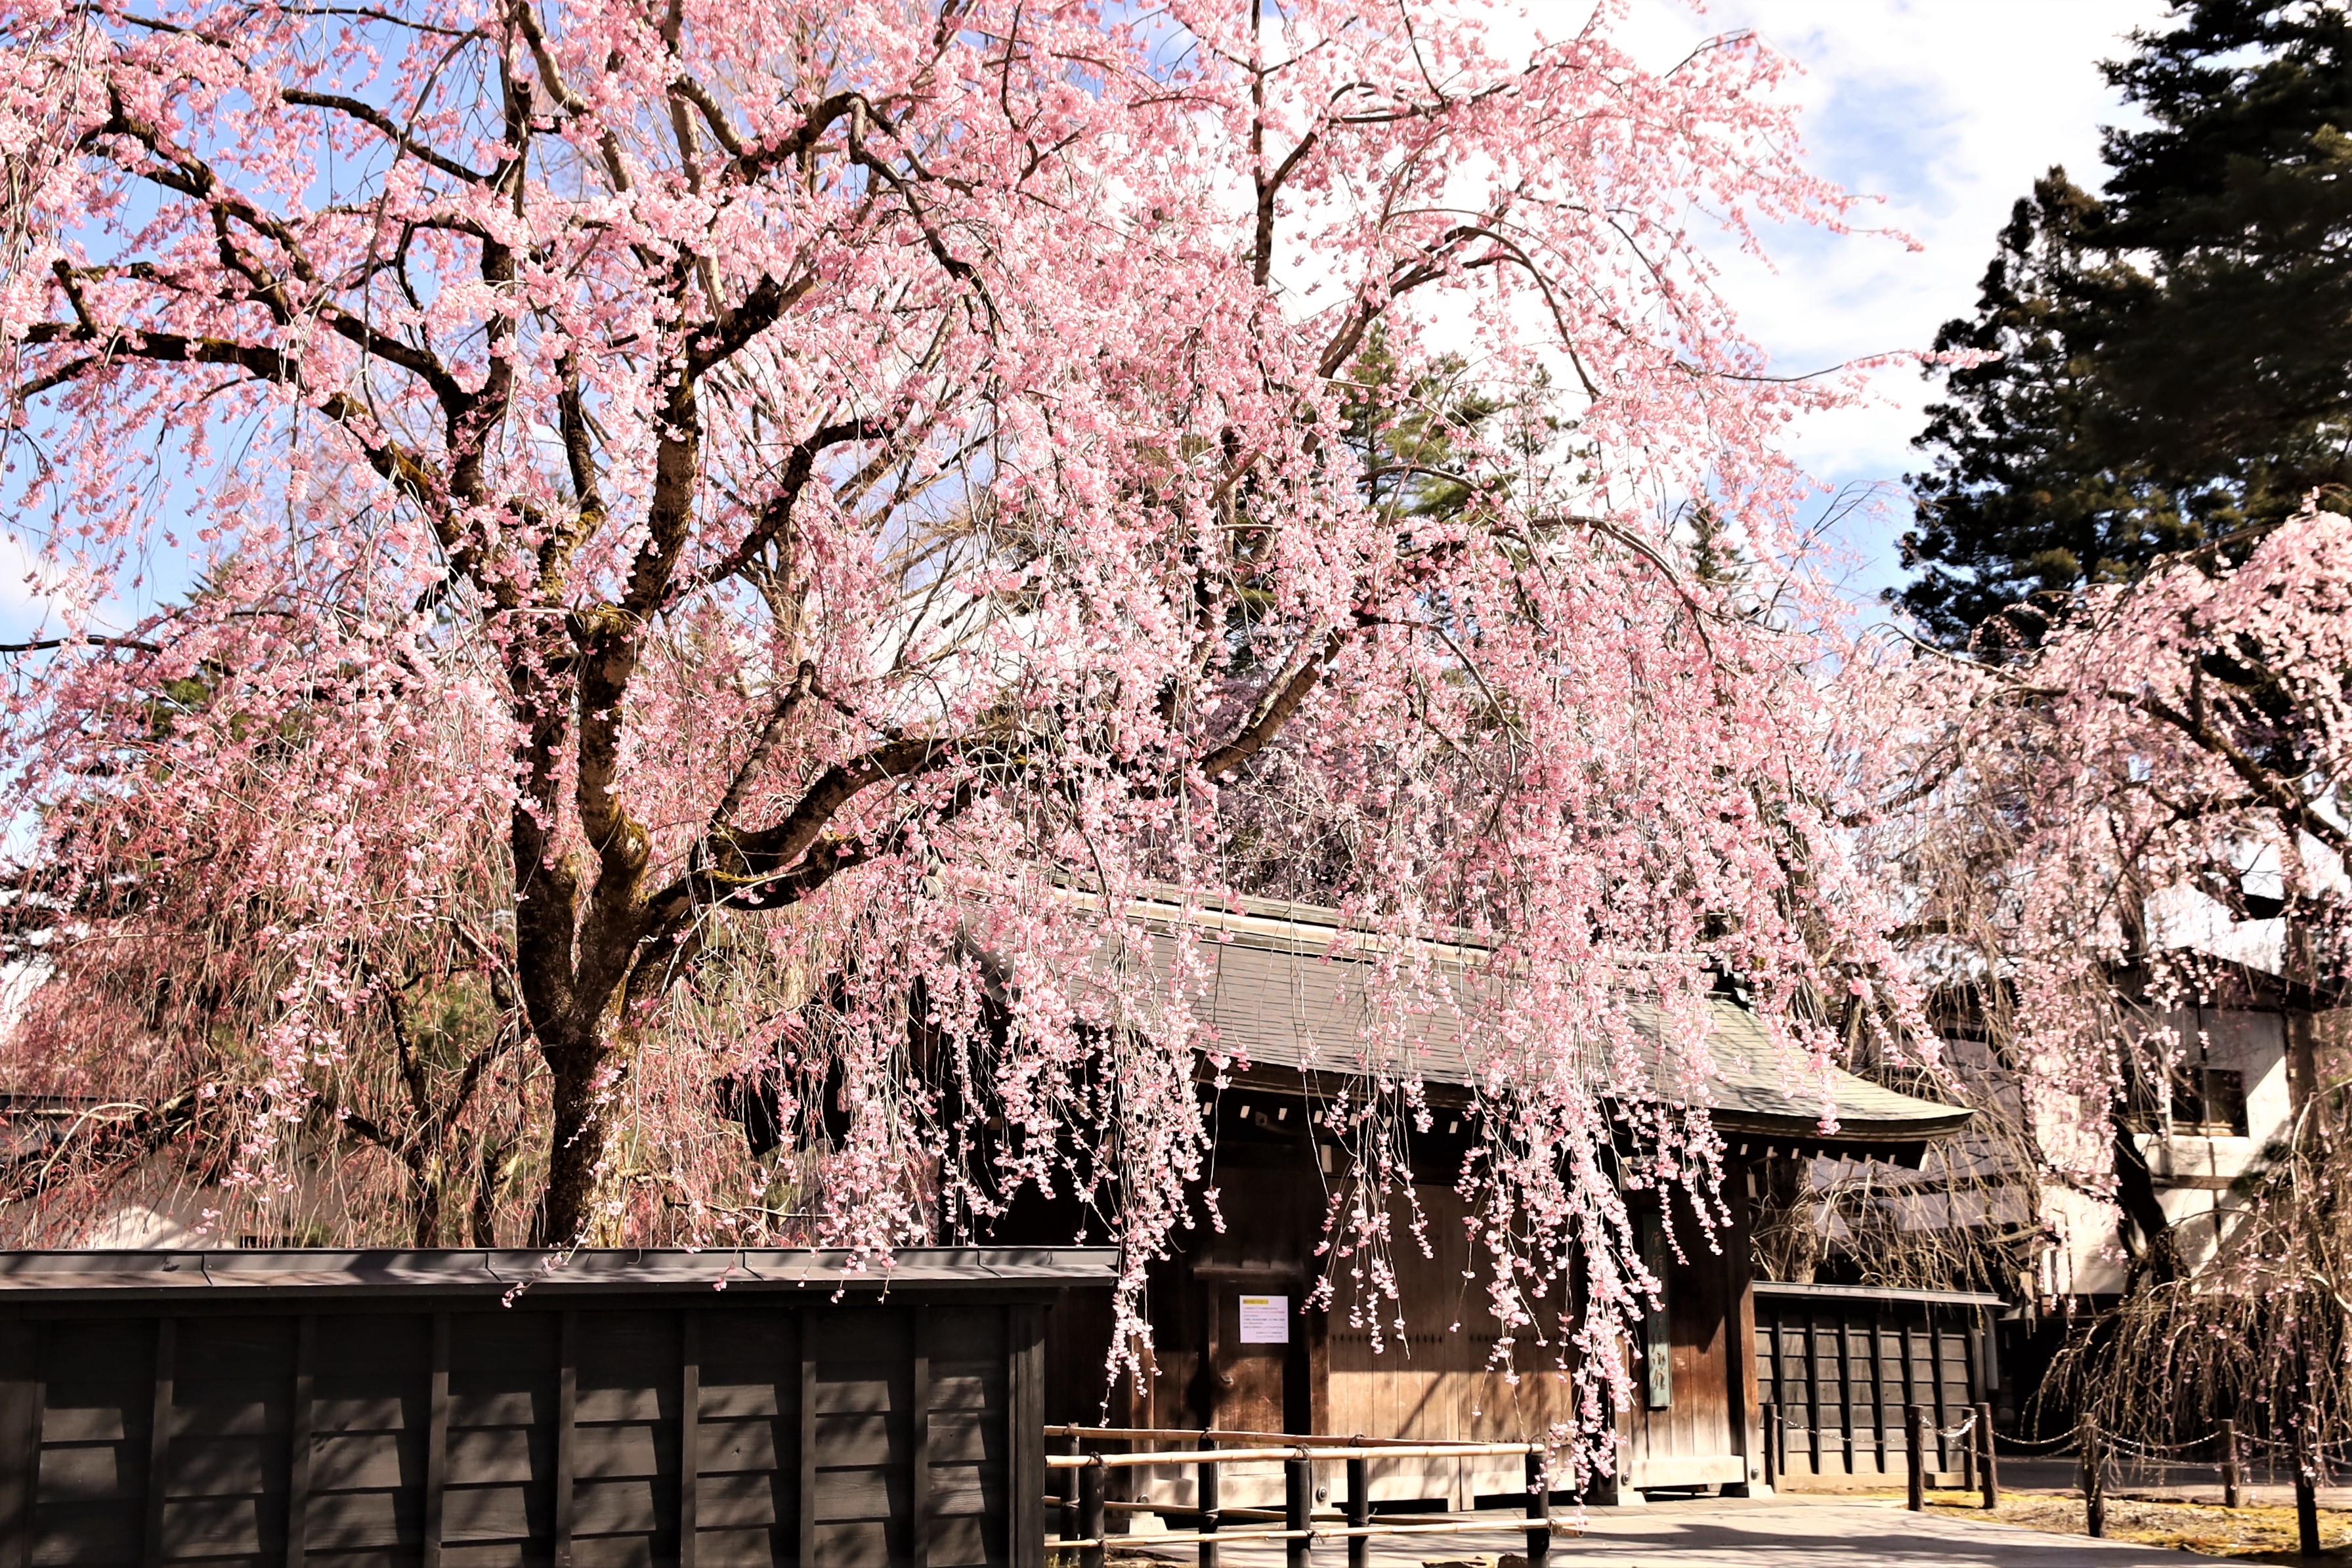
<point>438,1409</point>
<point>1236,1350</point>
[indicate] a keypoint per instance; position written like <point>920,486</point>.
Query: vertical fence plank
<point>1910,1369</point>
<point>1024,1401</point>
<point>1935,1382</point>
<point>690,1434</point>
<point>159,1436</point>
<point>1846,1389</point>
<point>808,1441</point>
<point>567,1452</point>
<point>298,1444</point>
<point>918,1494</point>
<point>1878,1387</point>
<point>1813,1392</point>
<point>25,1392</point>
<point>437,1442</point>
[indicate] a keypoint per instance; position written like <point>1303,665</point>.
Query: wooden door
<point>1689,1423</point>
<point>1256,1330</point>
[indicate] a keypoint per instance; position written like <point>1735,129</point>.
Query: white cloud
<point>1948,110</point>
<point>35,594</point>
<point>1945,109</point>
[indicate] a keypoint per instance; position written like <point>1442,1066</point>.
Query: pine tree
<point>2177,350</point>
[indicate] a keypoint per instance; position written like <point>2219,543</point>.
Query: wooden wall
<point>1840,1369</point>
<point>1704,1436</point>
<point>1437,1379</point>
<point>736,1429</point>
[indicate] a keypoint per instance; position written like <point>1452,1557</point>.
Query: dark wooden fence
<point>1838,1366</point>
<point>365,1409</point>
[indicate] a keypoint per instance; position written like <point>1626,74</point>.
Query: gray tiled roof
<point>1275,997</point>
<point>589,1271</point>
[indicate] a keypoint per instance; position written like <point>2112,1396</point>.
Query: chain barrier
<point>2155,1450</point>
<point>2162,1453</point>
<point>2066,1445</point>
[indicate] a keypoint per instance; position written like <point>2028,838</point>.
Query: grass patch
<point>2256,1533</point>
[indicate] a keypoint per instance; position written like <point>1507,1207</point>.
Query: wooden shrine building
<point>1236,1350</point>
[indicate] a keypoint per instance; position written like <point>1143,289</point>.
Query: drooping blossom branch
<point>779,521</point>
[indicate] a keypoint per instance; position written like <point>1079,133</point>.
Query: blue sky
<point>1948,110</point>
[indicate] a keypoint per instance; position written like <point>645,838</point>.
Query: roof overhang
<point>491,1276</point>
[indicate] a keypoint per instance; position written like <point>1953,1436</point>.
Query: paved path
<point>1779,1533</point>
<point>1819,1533</point>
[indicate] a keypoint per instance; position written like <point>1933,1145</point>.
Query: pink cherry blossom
<point>746,537</point>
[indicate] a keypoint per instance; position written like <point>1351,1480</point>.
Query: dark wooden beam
<point>808,1441</point>
<point>159,1436</point>
<point>437,1442</point>
<point>689,1434</point>
<point>1025,1439</point>
<point>298,1443</point>
<point>919,1495</point>
<point>567,1455</point>
<point>23,1393</point>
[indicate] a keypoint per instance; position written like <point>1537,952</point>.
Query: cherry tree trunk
<point>577,1131</point>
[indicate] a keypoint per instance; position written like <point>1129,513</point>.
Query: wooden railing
<point>1085,1508</point>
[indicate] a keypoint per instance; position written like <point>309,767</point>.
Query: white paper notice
<point>1265,1319</point>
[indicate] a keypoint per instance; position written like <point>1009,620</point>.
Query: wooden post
<point>2094,1500</point>
<point>1772,1448</point>
<point>2306,1493</point>
<point>1297,1513</point>
<point>1914,1458</point>
<point>1090,1513</point>
<point>1539,1511</point>
<point>1988,1462</point>
<point>2231,1480</point>
<point>1359,1512</point>
<point>1207,1500</point>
